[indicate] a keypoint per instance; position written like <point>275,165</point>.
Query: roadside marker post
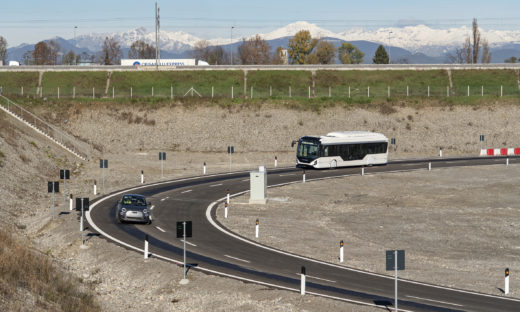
<point>507,161</point>
<point>481,141</point>
<point>70,202</point>
<point>341,251</point>
<point>440,152</point>
<point>303,176</point>
<point>204,168</point>
<point>95,188</point>
<point>53,187</point>
<point>275,161</point>
<point>227,196</point>
<point>430,166</point>
<point>257,230</point>
<point>145,246</point>
<point>362,171</point>
<point>225,210</point>
<point>506,286</point>
<point>162,158</point>
<point>142,176</point>
<point>302,284</point>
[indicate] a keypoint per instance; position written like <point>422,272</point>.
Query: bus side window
<point>325,151</point>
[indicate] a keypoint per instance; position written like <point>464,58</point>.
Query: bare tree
<point>476,41</point>
<point>466,48</point>
<point>201,50</point>
<point>141,50</point>
<point>28,58</point>
<point>3,49</point>
<point>111,53</point>
<point>486,53</point>
<point>254,51</point>
<point>70,58</point>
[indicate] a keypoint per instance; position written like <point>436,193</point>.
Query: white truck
<point>163,62</point>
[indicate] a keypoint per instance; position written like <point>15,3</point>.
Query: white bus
<point>341,149</point>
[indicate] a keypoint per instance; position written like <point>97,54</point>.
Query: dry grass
<point>22,270</point>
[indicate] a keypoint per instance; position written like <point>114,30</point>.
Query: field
<point>356,86</point>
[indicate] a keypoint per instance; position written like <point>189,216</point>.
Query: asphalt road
<point>213,249</point>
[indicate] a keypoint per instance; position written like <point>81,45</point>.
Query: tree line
<point>302,49</point>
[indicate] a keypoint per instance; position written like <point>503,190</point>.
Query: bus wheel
<point>333,164</point>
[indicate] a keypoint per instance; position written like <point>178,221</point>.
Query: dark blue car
<point>133,208</point>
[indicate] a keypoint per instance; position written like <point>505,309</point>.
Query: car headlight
<point>145,211</point>
<point>123,210</point>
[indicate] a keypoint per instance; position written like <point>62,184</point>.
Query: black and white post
<point>53,187</point>
<point>162,158</point>
<point>95,187</point>
<point>142,177</point>
<point>302,284</point>
<point>103,163</point>
<point>275,161</point>
<point>257,228</point>
<point>362,171</point>
<point>506,282</point>
<point>145,246</point>
<point>70,203</point>
<point>303,172</point>
<point>341,251</point>
<point>204,169</point>
<point>440,152</point>
<point>481,141</point>
<point>430,166</point>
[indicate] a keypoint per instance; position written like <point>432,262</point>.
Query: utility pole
<point>231,46</point>
<point>157,28</point>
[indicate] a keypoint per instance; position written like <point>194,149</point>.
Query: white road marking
<point>452,162</point>
<point>151,208</point>
<point>246,261</point>
<point>286,175</point>
<point>415,164</point>
<point>187,191</point>
<point>160,229</point>
<point>444,302</point>
<point>192,244</point>
<point>165,198</point>
<point>215,185</point>
<point>318,278</point>
<point>245,180</point>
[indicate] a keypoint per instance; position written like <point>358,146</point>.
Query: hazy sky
<point>33,20</point>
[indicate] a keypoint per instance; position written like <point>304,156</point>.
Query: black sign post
<point>103,163</point>
<point>64,175</point>
<point>53,187</point>
<point>184,230</point>
<point>162,158</point>
<point>395,261</point>
<point>230,151</point>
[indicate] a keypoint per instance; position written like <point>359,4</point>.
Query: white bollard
<point>440,152</point>
<point>204,168</point>
<point>341,251</point>
<point>257,228</point>
<point>303,176</point>
<point>146,246</point>
<point>302,285</point>
<point>142,176</point>
<point>275,161</point>
<point>506,286</point>
<point>362,171</point>
<point>429,166</point>
<point>70,202</point>
<point>225,210</point>
<point>95,191</point>
<point>227,196</point>
<point>507,161</point>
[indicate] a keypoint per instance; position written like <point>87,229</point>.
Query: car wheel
<point>333,164</point>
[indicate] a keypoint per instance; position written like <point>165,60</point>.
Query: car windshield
<point>133,200</point>
<point>307,149</point>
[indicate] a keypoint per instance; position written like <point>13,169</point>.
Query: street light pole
<point>231,45</point>
<point>75,27</point>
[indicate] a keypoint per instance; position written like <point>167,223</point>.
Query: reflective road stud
<point>341,251</point>
<point>506,286</point>
<point>302,286</point>
<point>256,231</point>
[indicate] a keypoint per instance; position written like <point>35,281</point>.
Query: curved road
<point>213,249</point>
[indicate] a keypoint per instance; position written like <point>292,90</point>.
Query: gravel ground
<point>459,226</point>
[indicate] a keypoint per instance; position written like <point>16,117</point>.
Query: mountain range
<point>418,44</point>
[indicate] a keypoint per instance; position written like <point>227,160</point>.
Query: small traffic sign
<point>65,174</point>
<point>390,260</point>
<point>53,187</point>
<point>180,232</point>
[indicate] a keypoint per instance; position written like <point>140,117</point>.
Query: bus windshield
<point>307,149</point>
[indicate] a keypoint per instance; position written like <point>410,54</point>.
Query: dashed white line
<point>318,278</point>
<point>187,191</point>
<point>246,261</point>
<point>151,208</point>
<point>245,180</point>
<point>409,165</point>
<point>215,185</point>
<point>286,175</point>
<point>160,229</point>
<point>191,244</point>
<point>444,302</point>
<point>165,198</point>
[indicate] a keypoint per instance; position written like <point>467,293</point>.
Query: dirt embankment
<point>130,136</point>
